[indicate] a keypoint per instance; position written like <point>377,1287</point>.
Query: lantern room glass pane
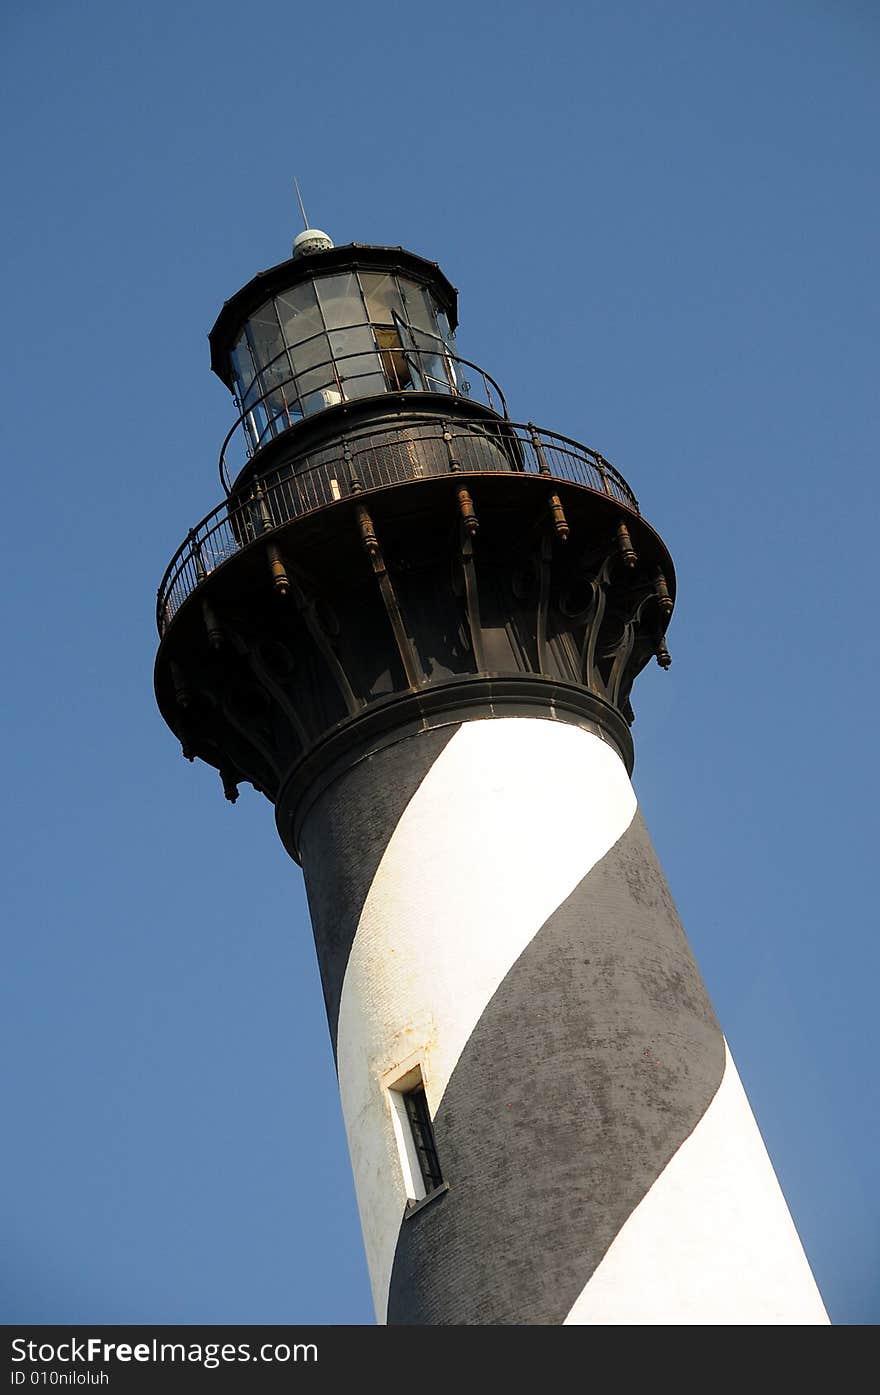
<point>420,311</point>
<point>321,398</point>
<point>446,331</point>
<point>299,314</point>
<point>382,297</point>
<point>357,363</point>
<point>432,362</point>
<point>264,336</point>
<point>350,341</point>
<point>258,423</point>
<point>364,378</point>
<point>244,372</point>
<point>411,357</point>
<point>281,408</point>
<point>316,381</point>
<point>341,301</point>
<point>312,366</point>
<point>312,353</point>
<point>312,380</point>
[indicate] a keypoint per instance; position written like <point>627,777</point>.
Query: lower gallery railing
<point>384,455</point>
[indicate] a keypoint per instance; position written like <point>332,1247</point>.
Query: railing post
<point>454,463</point>
<point>265,516</point>
<point>465,502</point>
<point>603,475</point>
<point>196,551</point>
<point>354,483</point>
<point>538,448</point>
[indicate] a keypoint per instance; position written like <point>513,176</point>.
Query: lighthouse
<point>414,624</point>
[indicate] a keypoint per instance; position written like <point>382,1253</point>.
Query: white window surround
<point>407,1075</point>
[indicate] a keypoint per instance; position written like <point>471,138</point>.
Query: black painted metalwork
<point>395,559</point>
<point>395,451</point>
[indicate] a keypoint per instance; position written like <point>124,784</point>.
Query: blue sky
<point>662,223</point>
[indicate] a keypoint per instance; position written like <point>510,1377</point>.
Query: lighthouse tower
<point>414,625</point>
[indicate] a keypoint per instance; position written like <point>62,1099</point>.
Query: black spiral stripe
<point>592,1063</point>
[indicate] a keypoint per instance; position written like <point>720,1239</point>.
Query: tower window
<point>416,1145</point>
<point>423,1137</point>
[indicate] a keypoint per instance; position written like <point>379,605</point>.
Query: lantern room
<point>334,325</point>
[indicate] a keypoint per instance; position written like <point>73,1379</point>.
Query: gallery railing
<point>289,394</point>
<point>385,454</point>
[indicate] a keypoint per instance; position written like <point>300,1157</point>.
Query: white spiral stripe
<point>712,1241</point>
<point>509,819</point>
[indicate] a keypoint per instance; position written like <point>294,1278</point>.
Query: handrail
<point>381,455</point>
<point>327,332</point>
<point>383,365</point>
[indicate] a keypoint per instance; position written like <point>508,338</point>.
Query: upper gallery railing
<point>288,396</point>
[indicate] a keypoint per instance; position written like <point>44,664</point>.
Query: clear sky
<point>662,220</point>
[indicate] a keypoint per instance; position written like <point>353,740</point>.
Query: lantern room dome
<point>311,240</point>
